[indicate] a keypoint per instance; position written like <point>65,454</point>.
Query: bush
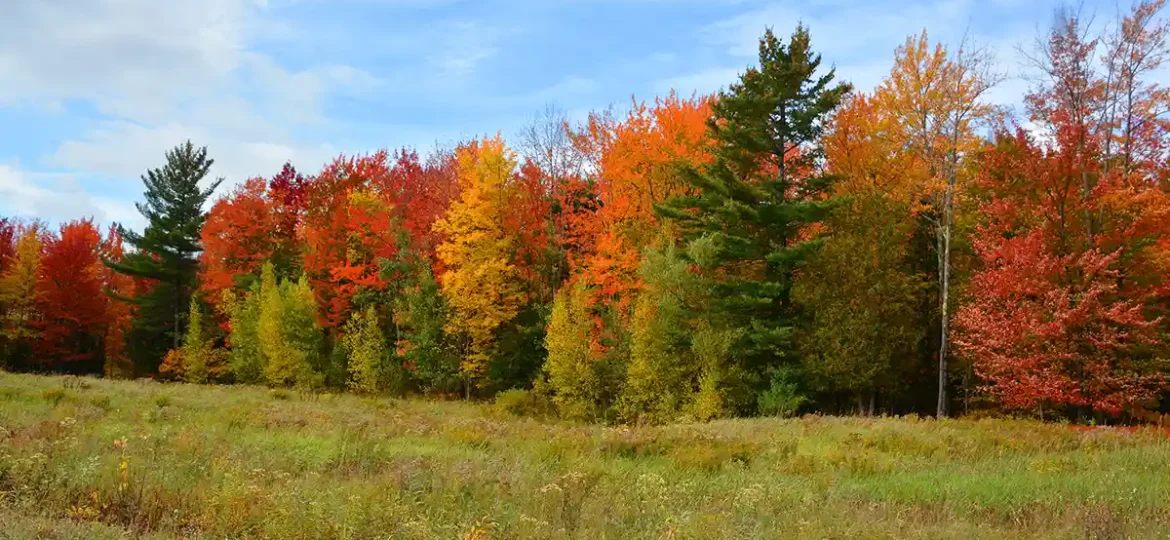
<point>518,402</point>
<point>783,398</point>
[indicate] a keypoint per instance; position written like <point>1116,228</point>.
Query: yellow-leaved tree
<point>574,370</point>
<point>19,296</point>
<point>290,340</point>
<point>936,100</point>
<point>482,285</point>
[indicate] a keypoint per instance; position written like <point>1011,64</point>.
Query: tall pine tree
<point>166,252</point>
<point>755,202</point>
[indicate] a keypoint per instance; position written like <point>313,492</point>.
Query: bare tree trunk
<point>944,272</point>
<point>178,301</point>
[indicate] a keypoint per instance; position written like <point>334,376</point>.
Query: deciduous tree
<point>70,300</point>
<point>19,297</point>
<point>481,283</point>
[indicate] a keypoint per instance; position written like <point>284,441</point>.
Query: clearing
<point>91,458</point>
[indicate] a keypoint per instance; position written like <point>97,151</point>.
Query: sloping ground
<point>86,458</point>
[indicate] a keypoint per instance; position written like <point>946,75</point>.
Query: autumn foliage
<point>789,243</point>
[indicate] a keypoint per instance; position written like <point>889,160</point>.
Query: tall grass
<point>110,459</point>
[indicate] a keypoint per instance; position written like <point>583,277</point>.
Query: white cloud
<point>157,73</point>
<point>58,197</point>
<point>857,38</point>
<point>126,150</point>
<point>101,50</point>
<point>459,47</point>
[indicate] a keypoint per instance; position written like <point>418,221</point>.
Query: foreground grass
<point>86,458</point>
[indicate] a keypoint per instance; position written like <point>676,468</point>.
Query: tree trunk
<point>178,301</point>
<point>1086,185</point>
<point>944,273</point>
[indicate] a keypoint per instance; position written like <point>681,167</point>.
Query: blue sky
<point>92,92</point>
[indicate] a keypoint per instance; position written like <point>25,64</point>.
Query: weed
<point>75,382</point>
<point>55,395</point>
<point>100,401</point>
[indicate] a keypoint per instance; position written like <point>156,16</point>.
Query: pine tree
<point>661,374</point>
<point>166,252</point>
<point>303,333</point>
<point>281,363</point>
<point>757,199</point>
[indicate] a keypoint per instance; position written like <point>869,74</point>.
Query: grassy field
<point>87,458</point>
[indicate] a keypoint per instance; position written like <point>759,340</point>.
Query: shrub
<point>172,365</point>
<point>518,402</point>
<point>73,381</point>
<point>783,398</point>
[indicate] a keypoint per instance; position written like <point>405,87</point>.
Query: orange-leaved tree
<point>349,228</point>
<point>70,300</point>
<point>118,314</point>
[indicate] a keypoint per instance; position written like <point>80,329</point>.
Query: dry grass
<point>108,459</point>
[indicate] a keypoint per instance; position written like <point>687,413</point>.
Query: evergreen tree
<point>282,364</point>
<point>661,374</point>
<point>166,252</point>
<point>303,332</point>
<point>762,191</point>
<point>863,325</point>
<point>420,315</point>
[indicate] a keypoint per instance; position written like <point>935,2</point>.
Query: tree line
<point>788,244</point>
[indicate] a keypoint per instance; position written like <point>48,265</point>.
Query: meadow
<point>93,458</point>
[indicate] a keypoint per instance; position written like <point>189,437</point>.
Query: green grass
<point>87,458</point>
